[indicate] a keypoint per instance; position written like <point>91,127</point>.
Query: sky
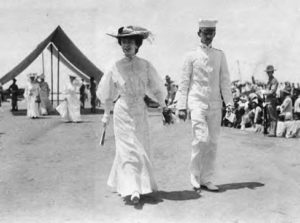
<point>252,33</point>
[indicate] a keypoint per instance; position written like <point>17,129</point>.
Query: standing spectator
<point>32,96</point>
<point>270,99</point>
<point>14,91</point>
<point>45,105</point>
<point>93,94</point>
<point>82,94</point>
<point>69,109</point>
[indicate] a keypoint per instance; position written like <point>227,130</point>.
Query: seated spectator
<point>286,108</point>
<point>297,108</point>
<point>229,118</point>
<point>243,110</point>
<point>256,114</point>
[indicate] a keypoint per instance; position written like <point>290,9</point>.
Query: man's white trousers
<point>206,129</point>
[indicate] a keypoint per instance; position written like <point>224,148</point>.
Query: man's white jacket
<point>204,79</point>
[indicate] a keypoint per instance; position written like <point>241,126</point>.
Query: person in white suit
<point>204,79</point>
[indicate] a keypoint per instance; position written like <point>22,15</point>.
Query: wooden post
<point>58,59</point>
<point>43,63</point>
<point>51,49</point>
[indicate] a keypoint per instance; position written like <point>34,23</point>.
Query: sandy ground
<point>53,171</point>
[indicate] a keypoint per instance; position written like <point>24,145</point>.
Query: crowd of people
<point>272,108</point>
<point>37,92</point>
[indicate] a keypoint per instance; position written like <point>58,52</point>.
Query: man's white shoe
<point>135,198</point>
<point>194,182</point>
<point>210,186</point>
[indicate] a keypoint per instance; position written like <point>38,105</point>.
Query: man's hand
<point>167,115</point>
<point>182,114</point>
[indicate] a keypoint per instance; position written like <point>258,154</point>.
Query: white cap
<point>206,23</point>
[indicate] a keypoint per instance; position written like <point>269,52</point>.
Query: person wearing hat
<point>270,99</point>
<point>14,91</point>
<point>71,105</point>
<point>204,79</point>
<point>45,105</point>
<point>129,78</point>
<point>32,96</point>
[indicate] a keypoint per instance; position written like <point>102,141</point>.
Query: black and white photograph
<point>142,111</point>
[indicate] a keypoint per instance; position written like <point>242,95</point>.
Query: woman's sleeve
<point>156,85</point>
<point>106,91</point>
<point>26,92</point>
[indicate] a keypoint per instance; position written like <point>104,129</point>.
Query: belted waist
<point>132,99</point>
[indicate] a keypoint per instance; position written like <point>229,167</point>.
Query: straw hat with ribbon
<point>128,31</point>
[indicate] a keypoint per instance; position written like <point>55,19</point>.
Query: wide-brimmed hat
<point>255,100</point>
<point>127,31</point>
<point>244,98</point>
<point>286,90</point>
<point>32,75</point>
<point>42,76</point>
<point>270,68</point>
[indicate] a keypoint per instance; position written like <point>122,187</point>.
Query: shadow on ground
<point>160,196</point>
<point>89,111</point>
<point>236,186</point>
<point>85,111</point>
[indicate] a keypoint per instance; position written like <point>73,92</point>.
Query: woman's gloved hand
<point>105,119</point>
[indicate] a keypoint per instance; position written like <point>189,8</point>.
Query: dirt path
<point>55,172</point>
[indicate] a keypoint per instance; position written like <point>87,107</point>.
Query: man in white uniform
<point>204,79</point>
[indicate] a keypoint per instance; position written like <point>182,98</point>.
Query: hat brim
<point>285,91</point>
<point>127,35</point>
<point>270,70</point>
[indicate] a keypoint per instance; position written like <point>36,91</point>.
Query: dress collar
<point>204,46</point>
<point>130,59</point>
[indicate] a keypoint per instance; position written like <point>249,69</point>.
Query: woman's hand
<point>105,119</point>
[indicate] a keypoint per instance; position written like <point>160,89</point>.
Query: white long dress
<point>131,79</point>
<point>71,94</point>
<point>32,91</point>
<point>45,105</point>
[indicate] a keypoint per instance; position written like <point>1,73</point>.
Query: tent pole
<point>43,63</point>
<point>58,59</point>
<point>51,49</point>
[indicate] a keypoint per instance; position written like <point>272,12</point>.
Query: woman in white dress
<point>32,96</point>
<point>45,105</point>
<point>130,78</point>
<point>71,104</point>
